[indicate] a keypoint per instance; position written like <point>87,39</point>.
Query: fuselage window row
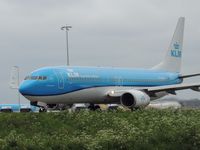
<point>114,80</point>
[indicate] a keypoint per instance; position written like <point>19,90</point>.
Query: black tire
<point>42,109</point>
<point>97,108</point>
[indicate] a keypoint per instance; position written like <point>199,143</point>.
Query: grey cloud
<point>122,33</point>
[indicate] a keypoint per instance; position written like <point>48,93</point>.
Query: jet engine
<point>134,99</point>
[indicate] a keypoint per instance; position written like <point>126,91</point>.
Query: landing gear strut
<point>42,106</point>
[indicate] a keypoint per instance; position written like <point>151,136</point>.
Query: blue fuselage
<point>62,80</point>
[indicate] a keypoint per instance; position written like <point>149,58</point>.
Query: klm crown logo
<point>176,45</point>
<point>176,51</point>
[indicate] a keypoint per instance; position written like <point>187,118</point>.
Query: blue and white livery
<point>132,88</point>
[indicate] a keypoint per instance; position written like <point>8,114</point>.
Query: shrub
<point>143,129</point>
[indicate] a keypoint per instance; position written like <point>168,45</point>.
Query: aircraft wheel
<point>42,109</point>
<point>97,108</point>
<point>94,107</point>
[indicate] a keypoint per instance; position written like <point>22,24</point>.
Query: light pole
<point>66,28</point>
<point>14,81</point>
<point>19,101</point>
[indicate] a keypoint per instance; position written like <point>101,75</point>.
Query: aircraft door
<point>60,78</point>
<point>120,81</point>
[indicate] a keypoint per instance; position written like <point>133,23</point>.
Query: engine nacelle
<point>134,99</point>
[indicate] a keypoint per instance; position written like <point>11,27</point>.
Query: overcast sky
<point>122,33</point>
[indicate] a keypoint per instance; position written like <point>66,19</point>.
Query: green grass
<point>143,129</point>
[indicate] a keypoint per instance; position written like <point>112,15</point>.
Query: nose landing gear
<point>42,106</point>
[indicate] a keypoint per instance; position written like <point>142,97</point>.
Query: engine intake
<point>134,99</point>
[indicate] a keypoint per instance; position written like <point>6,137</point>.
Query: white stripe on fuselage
<point>91,95</point>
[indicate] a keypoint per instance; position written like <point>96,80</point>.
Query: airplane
<point>18,108</point>
<point>132,88</point>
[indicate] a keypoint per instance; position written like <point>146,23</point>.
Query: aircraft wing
<point>189,75</point>
<point>172,88</point>
<point>153,90</point>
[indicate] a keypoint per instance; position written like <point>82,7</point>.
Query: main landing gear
<point>94,107</point>
<point>42,109</point>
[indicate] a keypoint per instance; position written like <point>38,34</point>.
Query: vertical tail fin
<point>172,60</point>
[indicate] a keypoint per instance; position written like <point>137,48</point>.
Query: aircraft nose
<point>25,89</point>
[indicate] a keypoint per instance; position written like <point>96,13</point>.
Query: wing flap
<point>151,91</point>
<point>177,87</point>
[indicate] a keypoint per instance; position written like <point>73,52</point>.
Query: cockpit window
<point>44,77</point>
<point>36,78</point>
<point>40,78</point>
<point>27,78</point>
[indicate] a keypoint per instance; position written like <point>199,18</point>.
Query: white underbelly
<point>90,95</point>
